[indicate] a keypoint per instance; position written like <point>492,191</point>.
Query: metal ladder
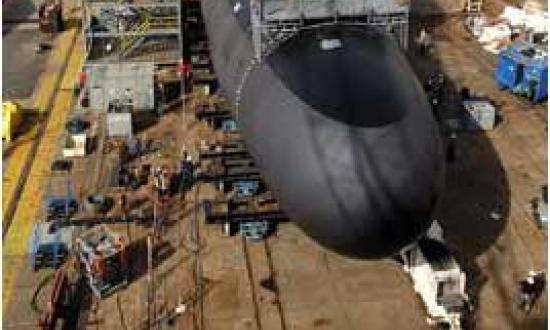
<point>474,6</point>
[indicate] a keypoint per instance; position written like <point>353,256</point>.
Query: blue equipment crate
<point>523,69</point>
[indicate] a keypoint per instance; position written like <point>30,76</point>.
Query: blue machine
<point>254,230</point>
<point>246,188</point>
<point>229,125</point>
<point>60,207</point>
<point>523,69</point>
<point>49,245</point>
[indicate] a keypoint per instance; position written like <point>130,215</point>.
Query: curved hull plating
<point>344,135</point>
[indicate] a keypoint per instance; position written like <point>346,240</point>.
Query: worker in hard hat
<point>424,42</point>
<point>531,288</point>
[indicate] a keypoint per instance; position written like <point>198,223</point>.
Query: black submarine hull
<point>340,128</point>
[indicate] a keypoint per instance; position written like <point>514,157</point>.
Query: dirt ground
<point>498,171</point>
<point>290,282</point>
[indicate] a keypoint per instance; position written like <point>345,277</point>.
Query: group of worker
<point>131,177</point>
<point>160,177</point>
<point>164,182</point>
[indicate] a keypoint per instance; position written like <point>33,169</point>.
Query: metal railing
<point>140,28</point>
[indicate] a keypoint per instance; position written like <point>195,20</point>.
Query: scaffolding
<point>143,30</point>
<point>131,45</point>
<point>274,21</point>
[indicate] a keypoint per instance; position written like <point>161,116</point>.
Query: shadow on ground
<point>138,263</point>
<point>475,207</point>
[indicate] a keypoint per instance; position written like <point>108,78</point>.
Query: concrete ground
<point>20,62</point>
<point>21,65</point>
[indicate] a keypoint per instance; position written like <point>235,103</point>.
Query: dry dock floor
<point>499,171</point>
<point>288,281</point>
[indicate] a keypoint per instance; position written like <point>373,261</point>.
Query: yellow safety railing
<point>140,28</point>
<point>163,22</point>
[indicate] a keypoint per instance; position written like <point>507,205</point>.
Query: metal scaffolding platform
<point>138,31</point>
<point>132,47</point>
<point>273,21</point>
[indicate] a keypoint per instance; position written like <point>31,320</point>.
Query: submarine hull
<point>343,134</point>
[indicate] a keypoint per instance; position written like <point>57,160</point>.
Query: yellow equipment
<point>11,118</point>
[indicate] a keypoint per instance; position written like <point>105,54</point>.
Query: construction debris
<point>532,21</point>
<point>494,33</point>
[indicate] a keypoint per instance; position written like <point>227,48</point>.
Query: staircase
<point>275,32</point>
<point>131,42</point>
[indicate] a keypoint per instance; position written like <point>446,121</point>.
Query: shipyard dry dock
<point>164,259</point>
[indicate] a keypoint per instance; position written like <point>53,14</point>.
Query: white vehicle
<point>437,279</point>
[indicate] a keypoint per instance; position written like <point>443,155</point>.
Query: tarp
<point>529,19</point>
<point>495,32</point>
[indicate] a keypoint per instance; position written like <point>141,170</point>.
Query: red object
<point>81,79</point>
<point>52,313</point>
<point>183,68</point>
